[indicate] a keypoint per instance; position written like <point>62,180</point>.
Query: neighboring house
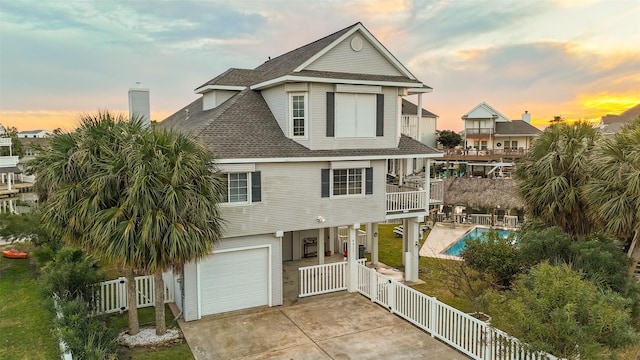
<point>491,137</point>
<point>8,171</point>
<point>612,124</point>
<point>33,134</point>
<point>303,142</point>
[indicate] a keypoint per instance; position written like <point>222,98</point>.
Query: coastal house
<point>303,142</point>
<point>491,140</point>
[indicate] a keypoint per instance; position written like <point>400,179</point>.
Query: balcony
<point>412,198</point>
<point>8,161</point>
<point>478,132</point>
<point>410,126</point>
<point>482,155</point>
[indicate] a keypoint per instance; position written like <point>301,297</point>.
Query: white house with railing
<point>8,171</point>
<point>303,142</point>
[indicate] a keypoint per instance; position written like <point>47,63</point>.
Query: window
<point>345,182</point>
<point>242,188</point>
<point>514,144</point>
<point>483,145</point>
<point>355,115</point>
<point>298,114</point>
<point>507,145</point>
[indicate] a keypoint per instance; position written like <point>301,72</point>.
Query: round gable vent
<point>498,144</point>
<point>356,43</point>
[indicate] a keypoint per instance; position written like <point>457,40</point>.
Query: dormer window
<point>298,115</point>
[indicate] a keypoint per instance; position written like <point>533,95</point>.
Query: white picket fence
<point>111,296</point>
<point>323,279</point>
<point>471,336</point>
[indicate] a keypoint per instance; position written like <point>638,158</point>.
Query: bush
<point>70,274</point>
<point>87,337</point>
<point>496,257</point>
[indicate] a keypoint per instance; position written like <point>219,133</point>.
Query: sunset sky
<point>573,58</point>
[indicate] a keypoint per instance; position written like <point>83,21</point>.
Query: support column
<point>321,246</point>
<point>404,238</point>
<point>427,184</point>
<point>369,243</point>
<point>418,127</point>
<point>332,240</point>
<point>8,181</point>
<point>412,254</point>
<point>352,280</point>
<point>374,245</point>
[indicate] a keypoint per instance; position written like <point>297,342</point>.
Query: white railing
<point>406,201</point>
<point>111,296</point>
<point>437,191</point>
<point>27,178</point>
<point>480,219</point>
<point>469,335</point>
<point>511,221</point>
<point>410,126</point>
<point>5,141</point>
<point>323,279</point>
<point>6,161</point>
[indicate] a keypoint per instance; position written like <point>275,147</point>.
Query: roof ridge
<point>311,43</point>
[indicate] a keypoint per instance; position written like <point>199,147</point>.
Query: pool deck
<point>441,237</point>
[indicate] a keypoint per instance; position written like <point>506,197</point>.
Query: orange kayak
<point>14,254</point>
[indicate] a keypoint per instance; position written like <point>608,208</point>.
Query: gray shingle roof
<point>516,127</point>
<point>234,77</point>
<point>244,128</point>
<point>409,108</point>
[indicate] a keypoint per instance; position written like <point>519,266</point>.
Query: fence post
<point>391,300</point>
<point>433,310</point>
<point>121,290</point>
<point>487,354</point>
<point>373,284</point>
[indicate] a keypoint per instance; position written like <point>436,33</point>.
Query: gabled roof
<point>243,127</point>
<point>32,132</point>
<point>516,127</point>
<point>625,117</point>
<point>291,67</point>
<point>485,111</point>
<point>409,108</point>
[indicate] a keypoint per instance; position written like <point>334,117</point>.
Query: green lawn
<point>431,270</point>
<point>26,328</point>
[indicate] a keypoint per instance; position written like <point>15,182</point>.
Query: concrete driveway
<point>334,326</point>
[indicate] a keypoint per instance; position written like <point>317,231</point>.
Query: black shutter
<point>368,181</point>
<point>331,114</point>
<point>324,180</point>
<point>256,190</point>
<point>379,114</point>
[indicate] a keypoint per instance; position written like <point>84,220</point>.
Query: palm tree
<point>552,174</point>
<point>614,189</point>
<point>145,199</point>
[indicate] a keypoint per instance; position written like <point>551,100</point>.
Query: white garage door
<point>234,280</point>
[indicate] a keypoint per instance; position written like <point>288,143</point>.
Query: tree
<point>498,258</point>
<point>145,199</point>
<point>614,188</point>
<point>553,309</point>
<point>553,173</point>
<point>449,139</point>
<point>16,145</point>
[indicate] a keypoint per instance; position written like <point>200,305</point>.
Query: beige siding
<point>276,98</point>
<point>524,142</point>
<point>191,300</point>
<point>342,58</point>
<point>291,201</point>
<point>318,132</point>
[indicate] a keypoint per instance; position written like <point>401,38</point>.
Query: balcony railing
<point>410,126</point>
<point>411,196</point>
<point>494,153</point>
<point>6,161</point>
<point>478,131</point>
<point>5,141</point>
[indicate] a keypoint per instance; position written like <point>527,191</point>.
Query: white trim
<point>249,190</point>
<point>363,183</point>
<point>208,88</point>
<point>237,168</point>
<point>199,315</point>
<point>296,87</point>
<point>361,89</point>
<point>413,90</point>
<point>331,158</point>
<point>290,96</point>
<point>269,266</point>
<point>295,78</point>
<point>350,164</point>
<point>371,38</point>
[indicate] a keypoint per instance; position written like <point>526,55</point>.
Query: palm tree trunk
<point>161,328</point>
<point>134,326</point>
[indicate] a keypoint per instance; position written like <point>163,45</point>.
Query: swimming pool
<point>476,232</point>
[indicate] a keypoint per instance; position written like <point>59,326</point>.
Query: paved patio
<point>441,237</point>
<point>341,325</point>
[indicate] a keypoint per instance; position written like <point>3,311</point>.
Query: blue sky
<point>577,59</point>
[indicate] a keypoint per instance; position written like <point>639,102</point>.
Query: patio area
<point>333,326</point>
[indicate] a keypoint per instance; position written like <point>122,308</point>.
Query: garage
<point>234,279</point>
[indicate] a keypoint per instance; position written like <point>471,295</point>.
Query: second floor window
<point>347,182</point>
<point>237,188</point>
<point>298,114</point>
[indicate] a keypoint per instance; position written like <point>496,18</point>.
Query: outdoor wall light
<point>320,219</point>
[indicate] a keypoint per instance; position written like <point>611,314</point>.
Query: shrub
<point>70,274</point>
<point>496,257</point>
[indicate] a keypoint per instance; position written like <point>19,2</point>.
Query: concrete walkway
<point>333,326</point>
<point>441,237</point>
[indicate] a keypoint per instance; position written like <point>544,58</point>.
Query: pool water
<point>477,232</point>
